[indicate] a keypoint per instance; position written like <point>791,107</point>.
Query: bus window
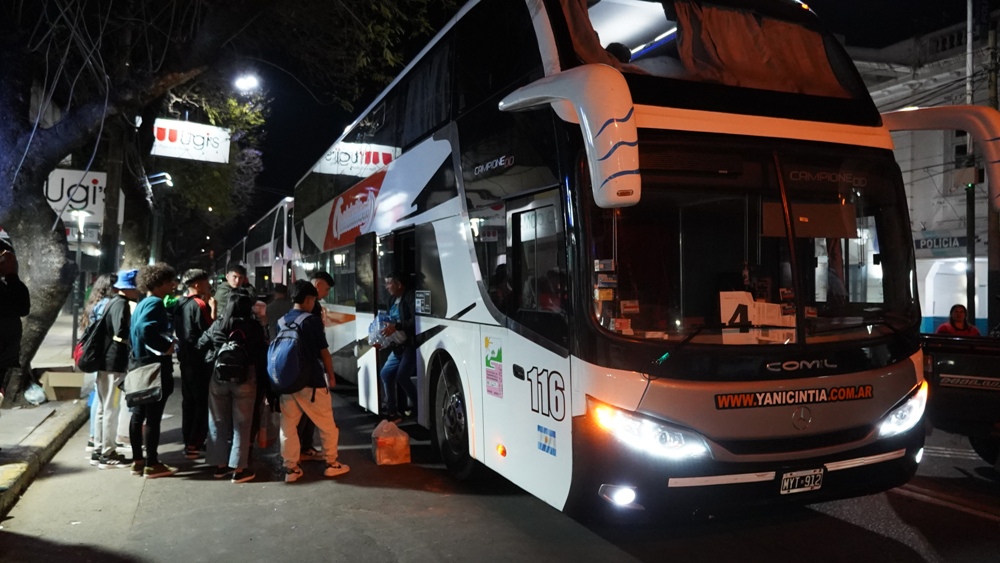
<point>489,238</point>
<point>538,268</point>
<point>342,266</point>
<point>496,49</point>
<point>428,95</point>
<point>781,49</point>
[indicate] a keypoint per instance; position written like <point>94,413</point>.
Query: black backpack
<point>90,352</point>
<point>232,362</point>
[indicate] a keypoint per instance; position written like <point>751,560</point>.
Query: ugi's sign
<point>193,141</point>
<point>73,190</point>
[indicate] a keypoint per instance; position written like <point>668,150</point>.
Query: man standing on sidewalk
<point>314,399</point>
<point>194,314</point>
<point>119,315</point>
<point>14,304</point>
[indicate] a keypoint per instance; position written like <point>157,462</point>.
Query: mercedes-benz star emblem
<point>801,417</point>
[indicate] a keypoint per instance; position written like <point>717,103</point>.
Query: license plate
<point>801,481</point>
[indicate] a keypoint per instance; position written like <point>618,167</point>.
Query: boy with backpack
<point>300,369</point>
<point>116,321</point>
<point>193,314</point>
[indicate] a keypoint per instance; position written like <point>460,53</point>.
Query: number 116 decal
<point>548,392</point>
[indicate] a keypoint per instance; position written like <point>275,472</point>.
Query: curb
<point>38,449</point>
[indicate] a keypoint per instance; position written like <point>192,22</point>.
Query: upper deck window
<point>783,49</point>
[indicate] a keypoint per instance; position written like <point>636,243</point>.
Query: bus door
<point>393,252</point>
<point>526,367</point>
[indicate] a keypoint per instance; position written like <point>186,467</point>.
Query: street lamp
<point>80,215</point>
<point>246,83</point>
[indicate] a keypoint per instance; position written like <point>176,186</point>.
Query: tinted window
<point>495,47</point>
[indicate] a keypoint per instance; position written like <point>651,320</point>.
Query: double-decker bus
<point>660,251</point>
<point>269,248</point>
<point>266,251</point>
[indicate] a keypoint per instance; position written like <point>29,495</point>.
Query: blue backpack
<point>287,368</point>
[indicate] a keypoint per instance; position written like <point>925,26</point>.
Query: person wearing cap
<point>193,314</point>
<point>119,320</point>
<point>14,304</point>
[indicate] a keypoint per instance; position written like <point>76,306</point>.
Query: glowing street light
<point>247,83</point>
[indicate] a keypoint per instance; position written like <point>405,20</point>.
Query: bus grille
<point>785,445</point>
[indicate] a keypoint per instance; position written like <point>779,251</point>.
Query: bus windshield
<point>706,254</point>
<point>784,50</point>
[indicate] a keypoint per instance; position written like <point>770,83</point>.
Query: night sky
<point>878,23</point>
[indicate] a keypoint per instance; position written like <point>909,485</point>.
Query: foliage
<point>73,71</point>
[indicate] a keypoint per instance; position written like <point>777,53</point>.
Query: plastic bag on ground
<point>390,445</point>
<point>34,394</point>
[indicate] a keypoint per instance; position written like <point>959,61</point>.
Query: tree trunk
<point>41,253</point>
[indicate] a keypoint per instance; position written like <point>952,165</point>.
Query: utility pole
<point>970,190</point>
<point>993,218</point>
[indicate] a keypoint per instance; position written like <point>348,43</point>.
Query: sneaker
<point>158,470</point>
<point>335,468</point>
<point>112,460</point>
<point>191,452</point>
<point>90,446</point>
<point>244,475</point>
<point>292,474</point>
<point>312,454</point>
<point>95,458</point>
<point>137,467</point>
<point>221,472</point>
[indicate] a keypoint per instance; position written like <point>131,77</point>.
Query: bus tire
<point>988,448</point>
<point>451,423</point>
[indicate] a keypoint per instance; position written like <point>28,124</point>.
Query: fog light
<point>919,456</point>
<point>622,497</point>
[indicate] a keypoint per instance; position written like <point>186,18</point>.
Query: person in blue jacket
<point>152,341</point>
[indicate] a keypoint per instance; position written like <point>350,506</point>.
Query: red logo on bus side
<point>352,212</point>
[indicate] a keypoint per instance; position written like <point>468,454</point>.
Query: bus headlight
<point>905,416</point>
<point>655,438</point>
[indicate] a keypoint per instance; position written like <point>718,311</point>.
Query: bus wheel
<point>988,448</point>
<point>451,423</point>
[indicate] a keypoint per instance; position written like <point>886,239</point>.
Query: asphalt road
<point>416,512</point>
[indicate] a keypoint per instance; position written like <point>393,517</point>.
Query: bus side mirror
<point>596,97</point>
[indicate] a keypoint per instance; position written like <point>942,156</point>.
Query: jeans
<point>399,369</point>
<point>151,415</point>
<point>230,416</point>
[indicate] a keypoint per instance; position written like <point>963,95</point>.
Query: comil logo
<point>796,365</point>
<point>192,141</point>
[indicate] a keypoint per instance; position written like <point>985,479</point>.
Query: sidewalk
<point>30,436</point>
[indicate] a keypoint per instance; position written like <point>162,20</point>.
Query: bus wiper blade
<point>870,323</point>
<point>666,355</point>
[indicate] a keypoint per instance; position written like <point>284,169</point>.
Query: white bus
<point>660,250</point>
<point>269,244</point>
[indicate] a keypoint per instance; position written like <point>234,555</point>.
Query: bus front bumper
<point>609,472</point>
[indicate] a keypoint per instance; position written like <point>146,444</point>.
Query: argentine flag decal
<point>547,440</point>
